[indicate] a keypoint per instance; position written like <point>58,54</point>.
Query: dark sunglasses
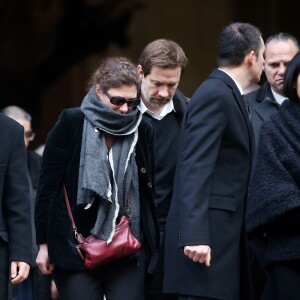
<point>134,102</point>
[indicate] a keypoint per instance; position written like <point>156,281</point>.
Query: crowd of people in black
<point>211,183</point>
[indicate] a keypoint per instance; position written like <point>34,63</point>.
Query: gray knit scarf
<point>109,176</point>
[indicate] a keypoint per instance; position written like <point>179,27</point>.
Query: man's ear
<point>140,71</point>
<point>250,58</point>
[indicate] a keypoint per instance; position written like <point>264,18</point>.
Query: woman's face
<point>298,86</point>
<point>128,92</point>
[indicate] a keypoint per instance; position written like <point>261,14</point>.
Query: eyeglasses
<point>115,100</point>
<point>29,135</point>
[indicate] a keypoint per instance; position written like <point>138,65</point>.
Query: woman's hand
<point>42,260</point>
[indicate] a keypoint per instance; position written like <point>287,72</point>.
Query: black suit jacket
<point>210,192</point>
<point>15,212</point>
<point>60,166</point>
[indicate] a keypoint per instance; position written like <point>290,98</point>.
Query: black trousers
<point>155,288</point>
<point>283,281</point>
<point>123,279</point>
<point>36,286</point>
<point>4,270</point>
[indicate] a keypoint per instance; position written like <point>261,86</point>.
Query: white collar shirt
<point>169,107</point>
<point>237,84</point>
<point>278,98</point>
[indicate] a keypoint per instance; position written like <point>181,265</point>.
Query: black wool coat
<point>60,166</point>
<point>274,193</point>
<point>209,194</point>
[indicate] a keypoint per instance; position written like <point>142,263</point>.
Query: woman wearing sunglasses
<point>101,152</point>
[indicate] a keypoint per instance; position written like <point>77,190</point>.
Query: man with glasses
<point>15,224</point>
<point>37,285</point>
<point>22,117</point>
<point>160,66</point>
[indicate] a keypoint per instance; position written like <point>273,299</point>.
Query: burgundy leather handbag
<point>96,252</point>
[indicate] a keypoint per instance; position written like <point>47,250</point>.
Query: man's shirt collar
<point>169,107</point>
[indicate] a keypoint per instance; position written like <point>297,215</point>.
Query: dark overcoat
<point>60,166</point>
<point>262,105</point>
<point>15,211</point>
<point>210,193</point>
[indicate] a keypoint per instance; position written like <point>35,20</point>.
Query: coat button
<point>149,185</point>
<point>143,170</point>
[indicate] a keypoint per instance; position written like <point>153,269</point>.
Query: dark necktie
<point>247,107</point>
<point>252,141</point>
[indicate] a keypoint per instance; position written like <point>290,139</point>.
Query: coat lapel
<point>240,101</point>
<point>264,110</point>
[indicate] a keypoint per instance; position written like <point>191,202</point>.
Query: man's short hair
<point>282,36</point>
<point>235,42</point>
<point>162,53</point>
<point>16,113</point>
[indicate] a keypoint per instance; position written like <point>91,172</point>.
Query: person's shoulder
<point>12,129</point>
<point>69,120</point>
<point>70,117</point>
<point>180,102</point>
<point>290,105</point>
<point>180,97</point>
<point>217,82</point>
<point>257,95</point>
<point>146,123</point>
<point>289,110</point>
<point>73,113</point>
<point>9,123</point>
<point>218,85</point>
<point>220,75</point>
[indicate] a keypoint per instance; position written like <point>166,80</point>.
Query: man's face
<point>277,55</point>
<point>158,87</point>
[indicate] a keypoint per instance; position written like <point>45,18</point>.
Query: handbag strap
<point>127,207</point>
<point>80,239</point>
<point>70,211</point>
<point>71,215</point>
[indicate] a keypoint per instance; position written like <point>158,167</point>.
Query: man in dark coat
<point>37,285</point>
<point>15,212</point>
<point>205,251</point>
<point>160,67</point>
<point>280,49</point>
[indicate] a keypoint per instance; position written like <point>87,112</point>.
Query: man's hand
<point>199,253</point>
<point>42,260</point>
<point>19,271</point>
